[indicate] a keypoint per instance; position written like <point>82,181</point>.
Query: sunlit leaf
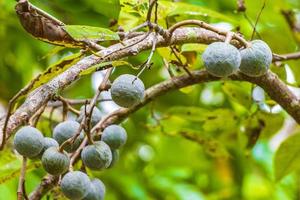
<point>79,32</point>
<point>188,11</point>
<point>11,170</point>
<point>52,71</point>
<point>57,68</point>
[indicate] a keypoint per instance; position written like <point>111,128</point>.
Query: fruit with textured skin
<point>127,90</point>
<point>96,191</point>
<point>115,136</point>
<point>29,141</point>
<point>96,115</point>
<point>96,156</point>
<point>55,162</point>
<point>115,157</point>
<point>221,59</point>
<point>48,142</point>
<point>65,130</point>
<point>256,59</point>
<point>75,185</point>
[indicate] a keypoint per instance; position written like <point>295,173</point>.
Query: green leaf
<point>57,68</point>
<point>105,64</point>
<point>108,8</point>
<point>10,165</point>
<point>12,170</point>
<point>238,92</point>
<point>79,32</point>
<point>53,52</point>
<point>52,71</point>
<point>287,157</point>
<point>182,11</point>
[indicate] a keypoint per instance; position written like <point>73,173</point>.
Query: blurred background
<point>205,142</point>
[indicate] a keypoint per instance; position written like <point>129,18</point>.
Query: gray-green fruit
<point>48,142</point>
<point>96,115</point>
<point>29,141</point>
<point>55,162</point>
<point>96,191</point>
<point>115,157</point>
<point>115,136</point>
<point>65,130</point>
<point>75,185</point>
<point>127,90</point>
<point>256,59</point>
<point>221,59</point>
<point>97,156</point>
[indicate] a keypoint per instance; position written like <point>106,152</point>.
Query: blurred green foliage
<point>191,144</point>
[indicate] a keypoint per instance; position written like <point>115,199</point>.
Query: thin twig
<point>35,118</point>
<point>85,123</point>
<point>149,13</point>
<point>252,25</point>
<point>11,103</point>
<point>20,193</point>
<point>67,105</point>
<point>288,56</point>
<point>148,62</point>
<point>75,102</point>
<point>207,27</point>
<point>167,66</point>
<point>257,19</point>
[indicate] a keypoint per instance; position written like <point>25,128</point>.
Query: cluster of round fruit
<point>126,91</point>
<point>223,59</point>
<point>102,154</point>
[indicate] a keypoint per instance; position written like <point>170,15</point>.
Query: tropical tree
<point>138,99</point>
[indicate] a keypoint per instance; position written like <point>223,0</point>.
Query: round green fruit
<point>115,136</point>
<point>65,130</point>
<point>96,115</point>
<point>55,162</point>
<point>127,90</point>
<point>115,157</point>
<point>221,59</point>
<point>48,142</point>
<point>29,141</point>
<point>256,59</point>
<point>96,156</point>
<point>96,191</point>
<point>75,185</point>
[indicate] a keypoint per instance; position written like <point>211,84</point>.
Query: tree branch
<point>275,88</point>
<point>45,186</point>
<point>272,85</point>
<point>43,94</point>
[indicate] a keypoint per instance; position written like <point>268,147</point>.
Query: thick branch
<point>43,94</point>
<point>289,56</point>
<point>273,86</point>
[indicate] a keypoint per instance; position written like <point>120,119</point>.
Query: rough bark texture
<point>42,94</point>
<point>277,90</point>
